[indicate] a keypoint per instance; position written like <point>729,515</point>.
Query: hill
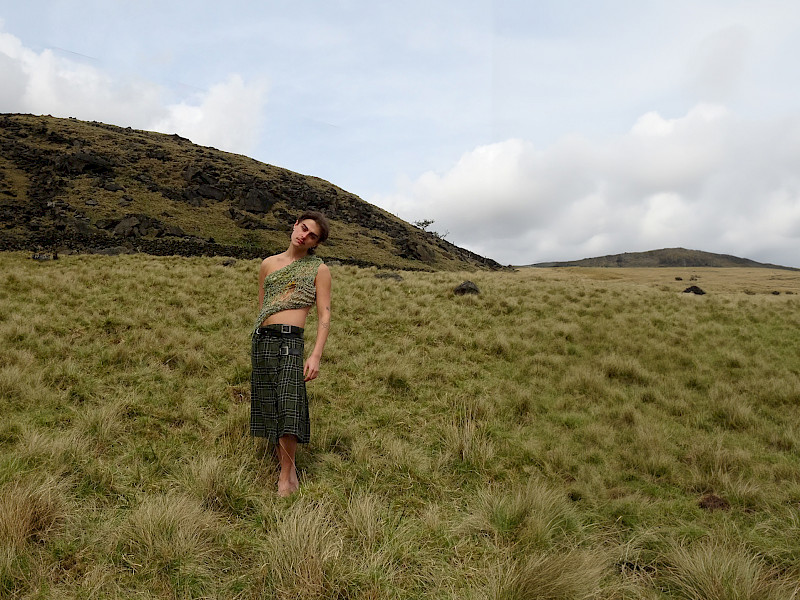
<point>667,257</point>
<point>70,184</point>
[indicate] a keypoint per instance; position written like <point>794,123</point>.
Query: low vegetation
<point>566,434</point>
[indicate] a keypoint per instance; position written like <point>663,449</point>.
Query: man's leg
<point>287,481</point>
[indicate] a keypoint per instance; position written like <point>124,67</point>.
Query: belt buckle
<point>286,329</point>
<point>283,351</point>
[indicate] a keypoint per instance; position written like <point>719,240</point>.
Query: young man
<point>289,283</point>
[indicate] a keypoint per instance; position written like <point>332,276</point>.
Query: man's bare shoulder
<point>271,263</point>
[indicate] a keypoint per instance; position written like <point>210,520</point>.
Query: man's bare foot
<point>288,486</point>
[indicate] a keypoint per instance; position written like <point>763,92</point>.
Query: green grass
<point>552,437</point>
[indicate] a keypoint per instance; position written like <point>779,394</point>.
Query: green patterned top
<point>290,287</point>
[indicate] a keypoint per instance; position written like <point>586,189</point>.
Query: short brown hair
<point>319,219</point>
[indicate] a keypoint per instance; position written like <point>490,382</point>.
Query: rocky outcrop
<point>82,162</point>
<point>136,226</point>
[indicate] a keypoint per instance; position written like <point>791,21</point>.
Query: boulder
<point>413,250</point>
<point>466,287</point>
<point>127,227</point>
<point>106,223</point>
<point>82,162</point>
<point>211,192</point>
<point>197,175</point>
<point>256,200</point>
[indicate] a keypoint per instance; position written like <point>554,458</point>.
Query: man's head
<point>312,227</point>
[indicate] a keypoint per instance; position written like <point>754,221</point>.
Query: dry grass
<point>713,571</point>
<point>570,433</point>
<point>171,541</point>
<point>571,575</point>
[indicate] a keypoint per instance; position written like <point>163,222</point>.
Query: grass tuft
<point>30,511</point>
<point>300,556</point>
<point>574,575</point>
<point>170,539</point>
<point>713,571</point>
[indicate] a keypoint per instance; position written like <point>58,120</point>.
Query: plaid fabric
<point>278,401</point>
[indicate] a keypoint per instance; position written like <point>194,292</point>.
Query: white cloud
<point>229,115</point>
<point>708,180</point>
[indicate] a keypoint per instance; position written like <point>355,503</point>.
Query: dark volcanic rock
<point>693,289</point>
<point>139,226</point>
<point>255,200</point>
<point>467,287</point>
<point>211,192</point>
<point>127,227</point>
<point>82,162</point>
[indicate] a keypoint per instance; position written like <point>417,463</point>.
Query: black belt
<point>278,329</point>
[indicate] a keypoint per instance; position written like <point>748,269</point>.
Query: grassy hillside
<point>66,183</point>
<point>566,434</point>
<point>666,257</point>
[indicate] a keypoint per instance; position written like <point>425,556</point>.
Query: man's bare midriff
<point>296,317</point>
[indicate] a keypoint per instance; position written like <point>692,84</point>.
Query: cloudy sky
<point>528,130</point>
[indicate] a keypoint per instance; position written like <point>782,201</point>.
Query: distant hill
<point>667,257</point>
<point>70,184</point>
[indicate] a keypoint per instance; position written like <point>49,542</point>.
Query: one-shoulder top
<point>290,287</point>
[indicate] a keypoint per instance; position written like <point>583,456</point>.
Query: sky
<point>526,130</point>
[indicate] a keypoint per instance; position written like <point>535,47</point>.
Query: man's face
<point>306,233</point>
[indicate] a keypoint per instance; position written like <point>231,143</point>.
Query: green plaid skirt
<point>278,401</point>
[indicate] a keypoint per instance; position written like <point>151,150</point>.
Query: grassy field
<point>566,434</point>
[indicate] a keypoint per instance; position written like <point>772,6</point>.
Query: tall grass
<point>571,433</point>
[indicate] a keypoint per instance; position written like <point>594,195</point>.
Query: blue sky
<point>529,131</point>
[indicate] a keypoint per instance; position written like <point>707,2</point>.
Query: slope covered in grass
<point>566,434</point>
<point>70,184</point>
